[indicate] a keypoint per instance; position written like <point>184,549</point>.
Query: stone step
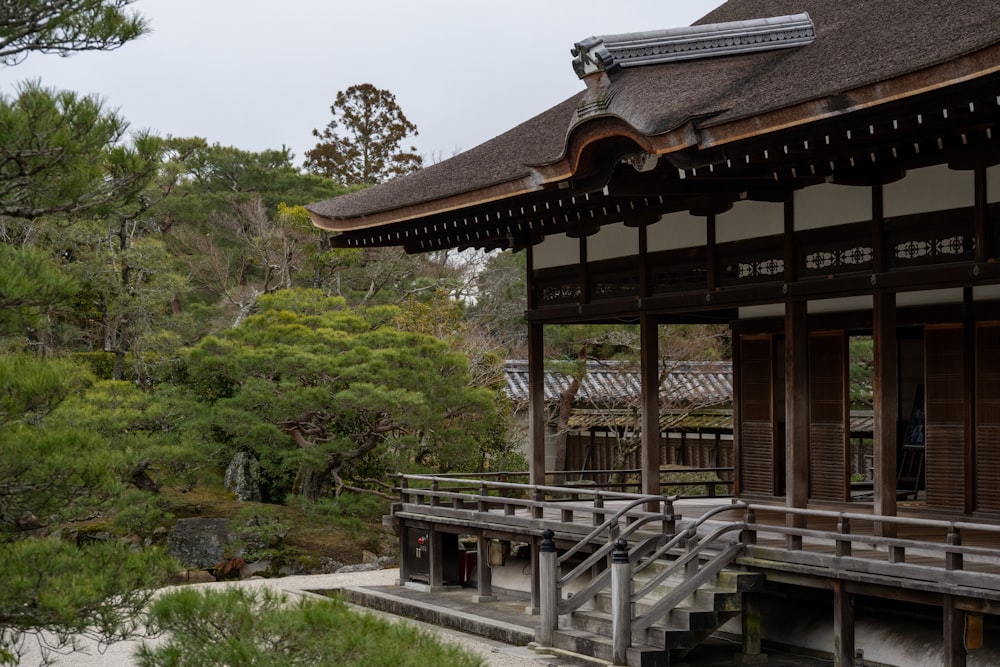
<point>596,646</point>
<point>693,614</point>
<point>515,629</point>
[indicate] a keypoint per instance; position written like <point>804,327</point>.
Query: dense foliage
<point>330,398</point>
<point>166,304</point>
<point>240,627</point>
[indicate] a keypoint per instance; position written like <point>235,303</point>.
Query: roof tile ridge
<point>608,52</point>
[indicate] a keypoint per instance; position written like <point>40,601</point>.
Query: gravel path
<point>494,653</point>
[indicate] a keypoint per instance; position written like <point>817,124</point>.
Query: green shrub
<point>341,509</point>
<point>140,513</point>
<point>258,533</point>
<point>242,627</point>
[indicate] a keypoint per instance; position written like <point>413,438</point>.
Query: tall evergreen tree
<point>361,145</point>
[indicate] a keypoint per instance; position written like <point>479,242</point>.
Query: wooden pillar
<point>484,571</point>
<point>536,404</point>
<point>435,563</point>
<point>549,589</point>
<point>737,454</point>
<point>621,603</point>
<point>406,552</point>
<point>536,589</point>
<point>885,386</point>
<point>796,408</point>
<point>954,633</point>
<point>981,214</point>
<point>843,626</point>
<point>969,345</point>
<point>751,622</point>
<point>650,372</point>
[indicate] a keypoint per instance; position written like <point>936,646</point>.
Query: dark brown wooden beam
<point>981,213</point>
<point>843,626</point>
<point>885,390</point>
<point>536,403</point>
<point>796,408</point>
<point>649,371</point>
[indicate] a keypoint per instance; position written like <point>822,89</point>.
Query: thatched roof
<point>864,54</point>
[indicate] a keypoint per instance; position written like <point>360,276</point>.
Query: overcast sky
<point>258,75</point>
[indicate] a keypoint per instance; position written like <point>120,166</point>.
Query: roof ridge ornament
<point>606,52</point>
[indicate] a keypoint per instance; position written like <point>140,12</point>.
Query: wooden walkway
<point>807,547</point>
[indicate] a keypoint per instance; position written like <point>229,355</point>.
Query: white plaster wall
<point>750,219</point>
<point>677,230</point>
<point>841,305</point>
<point>993,184</point>
<point>556,250</point>
<point>986,293</point>
<point>936,188</point>
<point>827,204</point>
<point>929,297</point>
<point>613,241</point>
<point>767,310</point>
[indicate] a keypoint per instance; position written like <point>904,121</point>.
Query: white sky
<point>258,75</point>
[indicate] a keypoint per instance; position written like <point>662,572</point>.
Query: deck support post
<point>843,626</point>
<point>954,633</point>
<point>405,551</point>
<point>435,564</point>
<point>751,626</point>
<point>536,594</point>
<point>484,573</point>
<point>621,603</point>
<point>549,580</point>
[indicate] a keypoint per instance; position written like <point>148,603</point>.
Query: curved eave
<point>595,145</point>
<point>456,202</point>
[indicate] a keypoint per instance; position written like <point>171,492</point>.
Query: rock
<point>261,568</point>
<point>243,477</point>
<point>199,543</point>
<point>359,567</point>
<point>142,480</point>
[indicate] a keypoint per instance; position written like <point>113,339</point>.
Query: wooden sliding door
<point>829,417</point>
<point>945,414</point>
<point>758,425</point>
<point>987,443</point>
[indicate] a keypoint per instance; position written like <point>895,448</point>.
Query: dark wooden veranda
<point>954,565</point>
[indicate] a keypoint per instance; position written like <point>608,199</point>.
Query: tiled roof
<point>694,395</point>
<point>617,384</point>
<point>698,420</point>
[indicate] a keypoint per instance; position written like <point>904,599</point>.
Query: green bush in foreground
<point>55,591</point>
<point>240,628</point>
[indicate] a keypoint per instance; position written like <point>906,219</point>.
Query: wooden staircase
<point>588,631</point>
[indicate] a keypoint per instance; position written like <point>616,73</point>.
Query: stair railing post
<point>692,566</point>
<point>621,602</point>
<point>669,518</point>
<point>548,575</point>
<point>953,559</point>
<point>749,535</point>
<point>598,506</point>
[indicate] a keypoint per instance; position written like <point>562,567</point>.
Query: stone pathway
<point>494,653</point>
